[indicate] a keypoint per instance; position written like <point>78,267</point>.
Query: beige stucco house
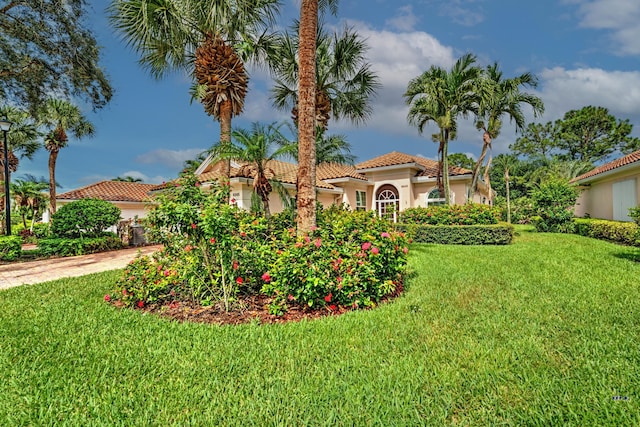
<point>608,191</point>
<point>387,184</point>
<point>130,197</point>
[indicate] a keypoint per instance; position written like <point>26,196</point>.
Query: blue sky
<point>584,52</point>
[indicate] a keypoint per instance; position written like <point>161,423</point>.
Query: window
<point>387,202</point>
<point>435,199</point>
<point>361,200</point>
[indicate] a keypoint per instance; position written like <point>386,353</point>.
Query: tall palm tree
<point>256,148</point>
<point>28,197</point>
<point>58,118</point>
<point>22,142</point>
<point>507,163</point>
<point>210,40</point>
<point>500,97</point>
<point>441,96</point>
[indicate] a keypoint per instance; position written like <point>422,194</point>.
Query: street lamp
<point>5,125</point>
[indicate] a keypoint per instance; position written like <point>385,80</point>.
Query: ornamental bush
<point>57,246</point>
<point>634,213</point>
<point>494,234</point>
<point>84,218</point>
<point>215,253</point>
<point>10,248</point>
<point>554,202</point>
<point>627,233</point>
<point>467,214</point>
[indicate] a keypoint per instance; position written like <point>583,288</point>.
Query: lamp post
<point>5,125</point>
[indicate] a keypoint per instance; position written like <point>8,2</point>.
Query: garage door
<point>624,197</point>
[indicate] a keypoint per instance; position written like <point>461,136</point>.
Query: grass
<point>541,332</point>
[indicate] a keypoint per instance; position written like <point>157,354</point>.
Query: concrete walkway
<point>24,273</point>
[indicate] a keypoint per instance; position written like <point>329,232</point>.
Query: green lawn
<point>543,332</point>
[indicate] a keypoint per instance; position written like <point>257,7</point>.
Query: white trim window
<point>435,199</point>
<point>388,202</point>
<point>361,200</point>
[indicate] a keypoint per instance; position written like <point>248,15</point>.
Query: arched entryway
<point>388,202</point>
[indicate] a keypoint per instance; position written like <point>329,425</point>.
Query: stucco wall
<point>596,199</point>
<point>421,189</point>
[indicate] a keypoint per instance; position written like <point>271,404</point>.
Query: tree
<point>536,140</point>
<point>441,96</point>
<point>333,149</point>
<point>29,198</point>
<point>45,48</point>
<point>256,148</point>
<point>127,179</point>
<point>344,80</point>
<point>210,40</point>
<point>306,178</point>
<point>59,117</point>
<point>500,97</point>
<point>191,165</point>
<point>507,163</point>
<point>461,160</point>
<point>591,134</point>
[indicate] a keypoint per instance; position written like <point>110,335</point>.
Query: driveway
<point>28,273</point>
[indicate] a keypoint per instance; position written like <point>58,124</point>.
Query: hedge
<point>81,246</point>
<point>498,234</point>
<point>10,248</point>
<point>627,233</point>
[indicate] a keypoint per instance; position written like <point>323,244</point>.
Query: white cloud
<point>174,159</point>
<point>619,16</point>
<point>460,13</point>
<point>405,19</point>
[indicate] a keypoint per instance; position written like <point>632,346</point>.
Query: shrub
<point>627,233</point>
<point>522,209</point>
<point>10,248</point>
<point>468,214</point>
<point>84,218</point>
<point>634,213</point>
<point>554,202</point>
<point>81,246</point>
<point>495,234</point>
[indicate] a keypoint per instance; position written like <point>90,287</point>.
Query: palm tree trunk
<point>225,135</point>
<point>445,168</point>
<point>306,177</point>
<point>486,143</point>
<point>53,157</point>
<point>506,180</point>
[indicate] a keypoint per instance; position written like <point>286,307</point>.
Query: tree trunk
<point>225,135</point>
<point>486,143</point>
<point>53,157</point>
<point>445,169</point>
<point>306,178</point>
<point>506,180</point>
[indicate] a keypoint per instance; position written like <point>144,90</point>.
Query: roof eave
<point>392,167</point>
<point>608,173</point>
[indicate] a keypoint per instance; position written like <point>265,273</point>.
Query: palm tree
<point>22,141</point>
<point>28,197</point>
<point>210,40</point>
<point>441,96</point>
<point>256,148</point>
<point>507,163</point>
<point>333,149</point>
<point>500,97</point>
<point>190,165</point>
<point>59,117</point>
<point>127,179</point>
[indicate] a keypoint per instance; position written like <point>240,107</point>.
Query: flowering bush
<point>217,252</point>
<point>468,214</point>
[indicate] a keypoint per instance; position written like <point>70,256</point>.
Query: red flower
<point>232,201</point>
<point>318,242</point>
<point>266,277</point>
<point>243,234</point>
<point>197,184</point>
<point>328,297</point>
<point>385,234</point>
<point>166,273</point>
<point>239,280</point>
<point>212,240</point>
<point>141,304</point>
<point>405,250</point>
<point>193,226</point>
<point>366,246</point>
<point>188,248</point>
<point>374,250</point>
<point>332,307</point>
<point>235,264</point>
<point>291,297</point>
<point>107,298</point>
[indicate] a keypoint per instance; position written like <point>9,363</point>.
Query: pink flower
<point>328,297</point>
<point>318,242</point>
<point>385,234</point>
<point>405,250</point>
<point>197,184</point>
<point>235,264</point>
<point>107,298</point>
<point>366,246</point>
<point>239,280</point>
<point>266,277</point>
<point>166,273</point>
<point>193,226</point>
<point>374,250</point>
<point>188,248</point>
<point>141,304</point>
<point>314,228</point>
<point>291,297</point>
<point>307,239</point>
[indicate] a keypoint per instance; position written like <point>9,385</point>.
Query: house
<point>387,184</point>
<point>609,190</point>
<point>130,197</point>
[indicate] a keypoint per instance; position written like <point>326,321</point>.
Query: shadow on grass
<point>631,256</point>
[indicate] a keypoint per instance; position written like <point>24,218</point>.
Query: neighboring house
<point>130,197</point>
<point>387,184</point>
<point>608,191</point>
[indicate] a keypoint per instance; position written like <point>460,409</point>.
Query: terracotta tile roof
<point>622,161</point>
<point>282,171</point>
<point>113,191</point>
<point>335,170</point>
<point>395,159</point>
